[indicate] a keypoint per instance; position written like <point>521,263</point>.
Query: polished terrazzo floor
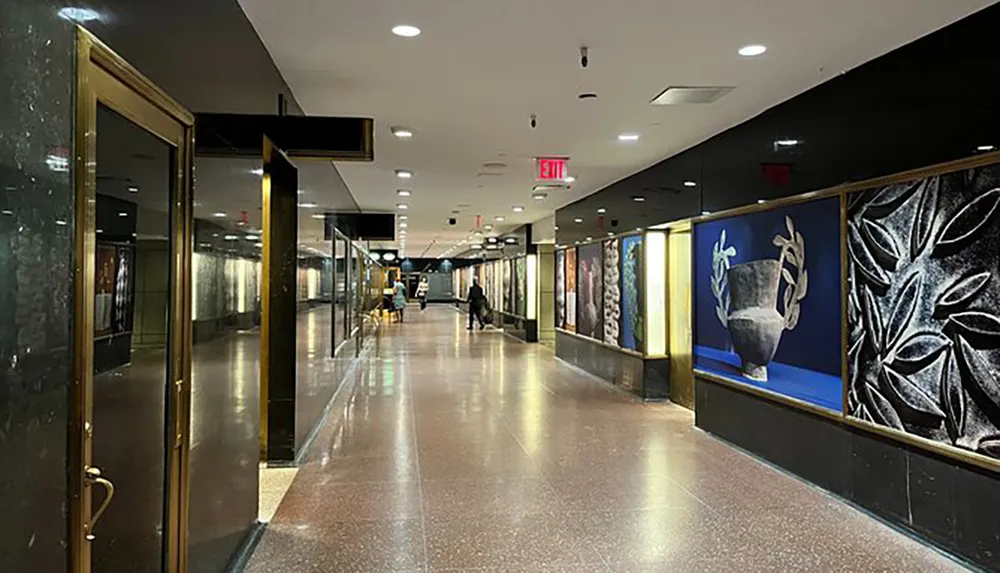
<point>455,451</point>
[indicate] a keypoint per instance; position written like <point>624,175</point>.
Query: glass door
<point>132,321</point>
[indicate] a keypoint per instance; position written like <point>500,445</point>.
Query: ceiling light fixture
<point>539,196</point>
<point>602,211</point>
<point>985,148</point>
<point>81,15</point>
<point>406,31</point>
<point>319,217</point>
<point>752,50</point>
<point>638,198</point>
<point>556,228</point>
<point>706,213</point>
<point>402,206</point>
<point>133,189</point>
<point>518,209</point>
<point>307,205</point>
<point>786,142</point>
<point>404,173</point>
<point>498,219</point>
<point>402,132</point>
<point>258,171</point>
<point>569,179</point>
<point>218,215</point>
<point>628,137</point>
<point>690,184</point>
<point>403,192</point>
<point>403,217</point>
<point>403,225</point>
<point>488,227</point>
<point>578,220</point>
<point>122,214</point>
<point>761,201</point>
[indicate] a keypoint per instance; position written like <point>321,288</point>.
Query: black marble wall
<point>647,378</point>
<point>951,503</point>
<point>36,248</point>
<point>925,103</point>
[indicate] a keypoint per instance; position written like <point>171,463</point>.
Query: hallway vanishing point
<point>456,451</point>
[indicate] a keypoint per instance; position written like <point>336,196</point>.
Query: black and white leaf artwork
<point>952,397</point>
<point>910,400</point>
<point>923,348</point>
<point>902,313</point>
<point>881,244</point>
<point>918,351</point>
<point>967,223</point>
<point>923,220</point>
<point>960,293</point>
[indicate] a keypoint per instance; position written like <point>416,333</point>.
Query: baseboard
<point>239,561</point>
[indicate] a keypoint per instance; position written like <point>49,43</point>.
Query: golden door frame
<point>104,77</point>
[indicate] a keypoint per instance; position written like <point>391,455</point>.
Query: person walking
<point>477,302</point>
<point>422,289</point>
<point>399,299</point>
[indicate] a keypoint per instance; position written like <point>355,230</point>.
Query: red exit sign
<point>551,168</point>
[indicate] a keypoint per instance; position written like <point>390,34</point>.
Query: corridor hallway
<point>457,451</point>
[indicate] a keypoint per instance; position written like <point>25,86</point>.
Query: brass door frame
<point>104,77</point>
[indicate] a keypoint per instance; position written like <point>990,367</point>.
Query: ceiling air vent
<point>681,95</point>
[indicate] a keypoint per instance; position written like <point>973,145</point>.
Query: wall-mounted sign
<point>551,168</point>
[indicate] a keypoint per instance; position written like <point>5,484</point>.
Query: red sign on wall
<point>550,169</point>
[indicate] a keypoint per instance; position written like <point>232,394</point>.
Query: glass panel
<point>131,330</point>
<point>340,291</point>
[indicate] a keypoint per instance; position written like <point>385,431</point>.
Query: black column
<point>278,381</point>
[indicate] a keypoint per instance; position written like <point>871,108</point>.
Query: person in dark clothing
<point>477,302</point>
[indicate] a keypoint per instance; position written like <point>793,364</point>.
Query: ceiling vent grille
<point>683,95</point>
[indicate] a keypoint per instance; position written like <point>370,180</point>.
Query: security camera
<point>584,57</point>
<point>534,121</point>
<point>453,221</point>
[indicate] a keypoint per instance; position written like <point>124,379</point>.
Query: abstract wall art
<point>612,292</point>
<point>767,301</point>
<point>521,271</point>
<point>923,300</point>
<point>508,271</point>
<point>632,325</point>
<point>560,289</point>
<point>590,291</point>
<point>571,290</point>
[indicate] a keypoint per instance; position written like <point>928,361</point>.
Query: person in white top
<point>422,289</point>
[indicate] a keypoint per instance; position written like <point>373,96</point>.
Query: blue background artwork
<point>807,364</point>
<point>631,268</point>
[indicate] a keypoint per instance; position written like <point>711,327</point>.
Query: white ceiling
<point>469,83</point>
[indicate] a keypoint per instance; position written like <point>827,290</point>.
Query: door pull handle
<point>93,476</point>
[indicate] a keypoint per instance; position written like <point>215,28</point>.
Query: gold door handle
<point>94,477</point>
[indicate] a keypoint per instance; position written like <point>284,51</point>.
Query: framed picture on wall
<point>560,289</point>
<point>612,292</point>
<point>590,291</point>
<point>767,301</point>
<point>571,290</point>
<point>923,326</point>
<point>632,327</point>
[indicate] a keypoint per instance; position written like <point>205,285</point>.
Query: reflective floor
<point>472,452</point>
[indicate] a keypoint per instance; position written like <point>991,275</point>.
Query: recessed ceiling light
<point>403,225</point>
<point>252,238</point>
<point>302,192</point>
<point>133,189</point>
<point>510,240</point>
<point>498,219</point>
<point>589,239</point>
<point>602,211</point>
<point>578,220</point>
<point>752,50</point>
<point>403,217</point>
<point>690,184</point>
<point>258,172</point>
<point>477,246</point>
<point>403,192</point>
<point>488,227</point>
<point>985,148</point>
<point>218,215</point>
<point>404,173</point>
<point>539,196</point>
<point>706,213</point>
<point>307,205</point>
<point>761,201</point>
<point>638,198</point>
<point>122,214</point>
<point>610,234</point>
<point>518,209</point>
<point>319,217</point>
<point>80,15</point>
<point>402,132</point>
<point>569,179</point>
<point>231,238</point>
<point>786,142</point>
<point>406,31</point>
<point>628,137</point>
<point>402,206</point>
<point>556,227</point>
